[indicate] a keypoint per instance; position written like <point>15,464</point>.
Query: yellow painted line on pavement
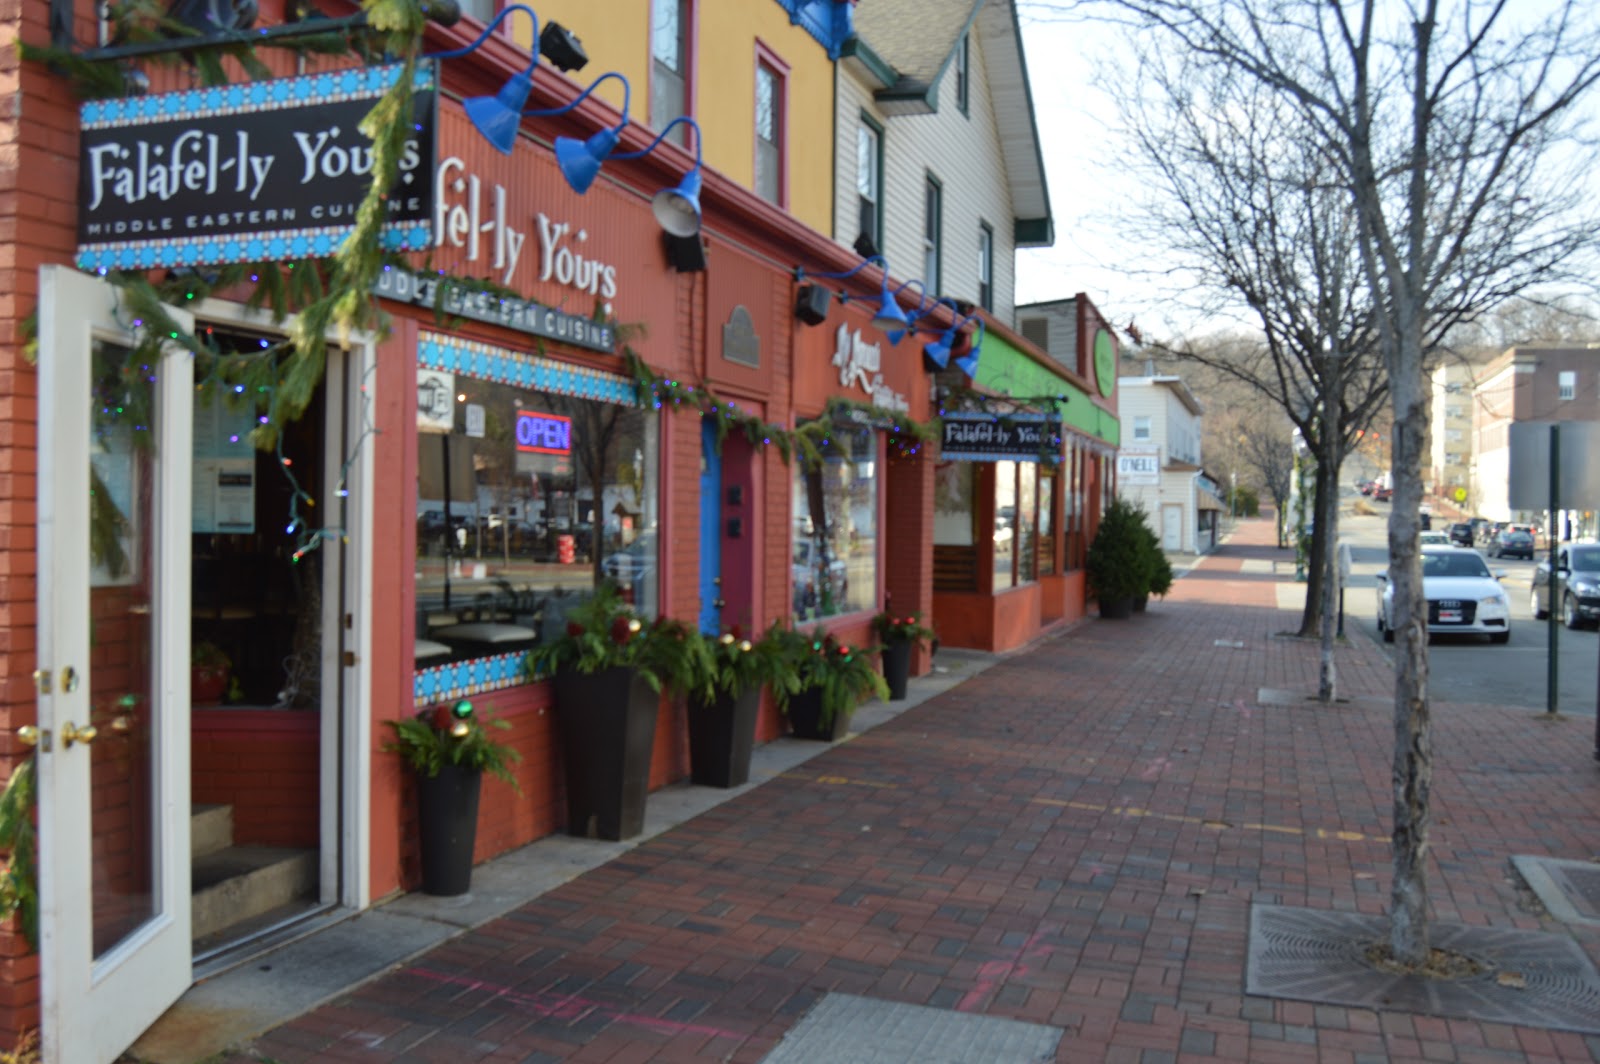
<point>1130,811</point>
<point>1134,811</point>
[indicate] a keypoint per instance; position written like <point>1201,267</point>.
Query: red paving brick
<point>1072,837</point>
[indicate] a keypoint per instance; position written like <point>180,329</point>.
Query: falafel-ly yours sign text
<point>238,173</point>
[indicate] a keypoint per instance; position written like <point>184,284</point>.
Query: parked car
<point>1478,525</point>
<point>1490,532</point>
<point>1577,585</point>
<point>1461,534</point>
<point>632,563</point>
<point>1513,543</point>
<point>1382,494</point>
<point>1365,487</point>
<point>1434,538</point>
<point>1463,596</point>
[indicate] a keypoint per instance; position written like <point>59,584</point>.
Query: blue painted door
<point>710,529</point>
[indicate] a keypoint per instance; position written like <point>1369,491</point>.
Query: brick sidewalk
<point>1073,838</point>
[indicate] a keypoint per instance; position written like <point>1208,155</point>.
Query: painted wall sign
<point>479,224</point>
<point>543,433</point>
<point>1139,465</point>
<point>436,401</point>
<point>237,173</point>
<point>861,364</point>
<point>984,438</point>
<point>520,314</point>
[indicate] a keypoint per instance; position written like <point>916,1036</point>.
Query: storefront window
<point>1027,522</point>
<point>524,505</point>
<point>1047,538</point>
<point>1005,524</point>
<point>834,544</point>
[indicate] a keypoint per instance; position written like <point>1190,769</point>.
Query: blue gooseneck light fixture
<point>499,116</point>
<point>580,160</point>
<point>888,318</point>
<point>955,342</point>
<point>896,335</point>
<point>677,209</point>
<point>968,363</point>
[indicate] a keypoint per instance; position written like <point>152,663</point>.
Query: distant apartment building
<point>1538,384</point>
<point>1450,456</point>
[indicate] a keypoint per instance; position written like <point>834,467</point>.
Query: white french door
<point>113,679</point>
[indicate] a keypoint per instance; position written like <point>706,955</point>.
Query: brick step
<point>242,882</point>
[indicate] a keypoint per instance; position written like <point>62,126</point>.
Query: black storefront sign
<point>240,173</point>
<point>1000,437</point>
<point>523,315</point>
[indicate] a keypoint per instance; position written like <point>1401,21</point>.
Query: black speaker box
<point>811,304</point>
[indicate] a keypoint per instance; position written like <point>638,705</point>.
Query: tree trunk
<point>1316,559</point>
<point>1328,518</point>
<point>1413,728</point>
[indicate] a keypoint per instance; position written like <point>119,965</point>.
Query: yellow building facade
<point>725,41</point>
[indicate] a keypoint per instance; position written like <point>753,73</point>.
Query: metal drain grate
<point>846,1029</point>
<point>1570,890</point>
<point>1320,956</point>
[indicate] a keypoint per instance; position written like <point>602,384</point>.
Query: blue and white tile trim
<point>332,87</point>
<point>317,242</point>
<point>461,679</point>
<point>532,372</point>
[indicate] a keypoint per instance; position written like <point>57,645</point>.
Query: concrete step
<point>242,882</point>
<point>210,829</point>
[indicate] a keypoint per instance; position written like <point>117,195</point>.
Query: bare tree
<point>1267,446</point>
<point>1258,215</point>
<point>1450,127</point>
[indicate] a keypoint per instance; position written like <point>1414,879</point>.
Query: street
<point>1467,668</point>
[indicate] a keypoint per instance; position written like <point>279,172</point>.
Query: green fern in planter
<point>845,674</point>
<point>453,735</point>
<point>730,664</point>
<point>604,632</point>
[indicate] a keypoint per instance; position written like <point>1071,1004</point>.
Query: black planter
<point>897,667</point>
<point>805,717</point>
<point>1117,609</point>
<point>608,726</point>
<point>722,733</point>
<point>447,823</point>
<point>1140,602</point>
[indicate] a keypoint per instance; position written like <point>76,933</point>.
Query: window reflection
<point>523,507</point>
<point>834,544</point>
<point>1005,524</point>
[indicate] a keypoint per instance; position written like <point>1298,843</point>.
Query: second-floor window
<point>769,130</point>
<point>1141,427</point>
<point>1568,384</point>
<point>963,73</point>
<point>869,183</point>
<point>985,266</point>
<point>932,235</point>
<point>669,66</point>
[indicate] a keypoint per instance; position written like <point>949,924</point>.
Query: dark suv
<point>1461,534</point>
<point>1513,544</point>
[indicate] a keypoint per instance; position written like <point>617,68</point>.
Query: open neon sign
<point>543,433</point>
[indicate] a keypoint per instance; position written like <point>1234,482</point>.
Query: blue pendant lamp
<point>896,335</point>
<point>677,209</point>
<point>968,363</point>
<point>889,318</point>
<point>580,160</point>
<point>498,117</point>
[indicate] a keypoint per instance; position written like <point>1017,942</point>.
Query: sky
<point>1076,119</point>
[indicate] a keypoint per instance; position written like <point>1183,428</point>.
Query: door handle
<point>28,735</point>
<point>71,733</point>
<point>718,603</point>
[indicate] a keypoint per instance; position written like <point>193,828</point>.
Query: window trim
<point>877,234</point>
<point>1567,384</point>
<point>933,286</point>
<point>690,28</point>
<point>963,65</point>
<point>985,265</point>
<point>766,57</point>
<point>1149,428</point>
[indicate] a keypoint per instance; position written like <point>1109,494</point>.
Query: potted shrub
<point>1117,563</point>
<point>724,699</point>
<point>209,672</point>
<point>608,671</point>
<point>1152,557</point>
<point>898,634</point>
<point>450,748</point>
<point>831,679</point>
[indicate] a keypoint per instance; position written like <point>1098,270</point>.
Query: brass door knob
<point>28,735</point>
<point>71,733</point>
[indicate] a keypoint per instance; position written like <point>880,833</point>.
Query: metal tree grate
<point>1530,978</point>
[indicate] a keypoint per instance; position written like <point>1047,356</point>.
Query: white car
<point>1463,596</point>
<point>1434,539</point>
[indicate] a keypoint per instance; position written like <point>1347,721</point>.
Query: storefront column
<point>908,530</point>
